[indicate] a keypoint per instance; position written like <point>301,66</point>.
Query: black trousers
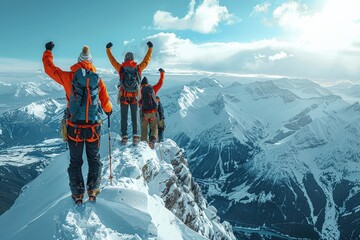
<point>124,118</point>
<point>76,180</point>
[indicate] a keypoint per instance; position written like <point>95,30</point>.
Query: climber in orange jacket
<point>149,108</point>
<point>81,131</point>
<point>130,78</point>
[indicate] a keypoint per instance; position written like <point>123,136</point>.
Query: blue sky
<point>313,39</point>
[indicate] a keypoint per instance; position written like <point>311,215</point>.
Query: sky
<point>319,40</point>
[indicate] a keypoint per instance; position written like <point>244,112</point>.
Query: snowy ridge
<point>131,207</point>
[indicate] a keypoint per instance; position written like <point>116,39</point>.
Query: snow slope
<point>131,207</point>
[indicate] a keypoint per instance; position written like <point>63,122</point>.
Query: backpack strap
<point>88,100</point>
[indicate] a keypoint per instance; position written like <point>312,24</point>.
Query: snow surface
<point>127,208</point>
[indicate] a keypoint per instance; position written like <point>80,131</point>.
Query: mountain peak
<point>206,83</point>
<point>267,89</point>
<point>355,107</point>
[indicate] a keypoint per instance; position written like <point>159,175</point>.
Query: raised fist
<point>49,46</point>
<point>150,45</point>
<point>109,45</point>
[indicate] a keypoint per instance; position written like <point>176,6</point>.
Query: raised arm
<point>112,59</point>
<point>54,72</point>
<point>147,57</point>
<point>159,84</point>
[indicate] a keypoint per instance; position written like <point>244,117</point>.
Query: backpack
<point>148,98</point>
<point>130,78</point>
<point>84,97</point>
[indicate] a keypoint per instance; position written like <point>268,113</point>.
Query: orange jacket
<point>65,78</point>
<point>118,66</point>
<point>156,88</point>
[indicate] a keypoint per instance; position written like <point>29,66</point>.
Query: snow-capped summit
<point>152,196</point>
<point>264,90</point>
<point>206,83</point>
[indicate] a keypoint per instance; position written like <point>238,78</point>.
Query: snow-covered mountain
<point>152,196</point>
<point>32,123</point>
<point>272,157</point>
<point>302,87</point>
<point>14,94</point>
<point>348,90</point>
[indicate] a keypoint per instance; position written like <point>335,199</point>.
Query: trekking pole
<point>111,176</point>
<point>161,158</point>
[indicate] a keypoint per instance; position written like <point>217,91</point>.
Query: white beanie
<point>85,55</point>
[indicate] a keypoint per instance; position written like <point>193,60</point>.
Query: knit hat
<point>85,55</point>
<point>144,81</point>
<point>129,56</point>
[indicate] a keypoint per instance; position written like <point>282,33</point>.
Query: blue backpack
<point>84,97</point>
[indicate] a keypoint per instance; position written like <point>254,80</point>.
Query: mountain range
<point>277,158</point>
<point>281,154</point>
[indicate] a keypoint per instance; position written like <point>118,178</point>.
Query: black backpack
<point>130,79</point>
<point>148,98</point>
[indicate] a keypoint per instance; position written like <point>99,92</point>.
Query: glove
<point>150,45</point>
<point>161,124</point>
<point>161,70</point>
<point>49,46</point>
<point>109,45</point>
<point>108,113</point>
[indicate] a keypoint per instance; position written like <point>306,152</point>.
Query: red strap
<point>82,126</point>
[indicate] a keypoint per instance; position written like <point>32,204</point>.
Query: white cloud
<point>335,27</point>
<point>127,42</point>
<point>204,19</point>
<point>279,56</point>
<point>261,8</point>
<point>290,15</point>
<point>260,57</point>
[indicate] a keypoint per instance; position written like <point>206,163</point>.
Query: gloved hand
<point>150,45</point>
<point>108,113</point>
<point>49,46</point>
<point>109,45</point>
<point>161,70</point>
<point>161,124</point>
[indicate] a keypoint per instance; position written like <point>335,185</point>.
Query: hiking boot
<point>124,140</point>
<point>136,140</point>
<point>78,198</point>
<point>92,194</point>
<point>152,142</point>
